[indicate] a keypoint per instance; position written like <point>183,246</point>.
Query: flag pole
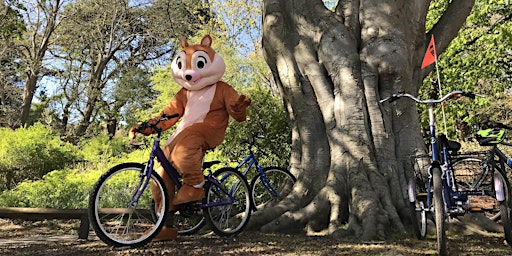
<point>441,95</point>
<point>429,58</point>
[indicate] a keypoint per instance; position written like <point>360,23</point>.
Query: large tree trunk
<point>350,153</point>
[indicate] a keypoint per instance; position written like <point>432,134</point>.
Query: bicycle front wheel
<point>439,210</point>
<point>228,202</point>
<point>269,187</point>
<point>122,210</point>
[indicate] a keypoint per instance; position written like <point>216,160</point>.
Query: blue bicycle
<point>269,184</point>
<point>125,213</point>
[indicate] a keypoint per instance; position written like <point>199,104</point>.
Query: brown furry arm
<point>176,106</point>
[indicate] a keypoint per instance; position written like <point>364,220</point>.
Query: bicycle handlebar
<point>251,141</point>
<point>454,94</point>
<point>145,125</point>
<point>491,124</point>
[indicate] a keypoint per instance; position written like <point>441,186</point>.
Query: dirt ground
<point>60,238</point>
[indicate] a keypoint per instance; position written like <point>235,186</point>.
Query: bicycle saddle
<point>450,144</point>
<point>207,165</point>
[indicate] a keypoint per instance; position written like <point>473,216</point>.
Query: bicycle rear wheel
<point>471,176</point>
<point>439,210</point>
<point>227,217</point>
<point>496,198</point>
<point>503,195</point>
<point>269,188</point>
<point>119,217</point>
<point>419,219</point>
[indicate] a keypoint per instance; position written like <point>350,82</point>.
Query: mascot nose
<point>191,75</point>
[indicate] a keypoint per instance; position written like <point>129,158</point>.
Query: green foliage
<point>57,189</point>
<point>477,60</point>
<point>102,148</point>
<point>30,153</point>
<point>12,25</point>
<point>11,29</point>
<point>70,188</point>
<point>265,117</point>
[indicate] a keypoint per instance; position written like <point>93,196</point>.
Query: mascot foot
<point>166,234</point>
<point>188,194</point>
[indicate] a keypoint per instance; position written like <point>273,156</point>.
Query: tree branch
<point>448,26</point>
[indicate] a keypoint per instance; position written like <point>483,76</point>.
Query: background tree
<point>350,153</point>
<point>101,44</point>
<point>11,29</point>
<point>41,18</point>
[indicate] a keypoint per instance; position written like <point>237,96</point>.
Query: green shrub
<point>102,148</point>
<point>68,188</point>
<point>29,153</point>
<point>57,189</point>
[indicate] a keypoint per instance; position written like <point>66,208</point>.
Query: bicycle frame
<point>251,160</point>
<point>452,196</point>
<point>174,175</point>
<point>444,163</point>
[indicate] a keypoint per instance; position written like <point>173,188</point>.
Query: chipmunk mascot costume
<point>204,105</point>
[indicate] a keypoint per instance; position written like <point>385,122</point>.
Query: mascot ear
<point>183,42</point>
<point>206,41</point>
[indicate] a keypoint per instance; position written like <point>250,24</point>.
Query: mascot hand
<point>139,128</point>
<point>133,132</point>
<point>241,104</point>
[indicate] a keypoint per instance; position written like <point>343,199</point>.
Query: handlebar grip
<point>141,127</point>
<point>394,97</point>
<point>469,94</point>
<point>491,124</point>
<point>390,98</point>
<point>164,116</point>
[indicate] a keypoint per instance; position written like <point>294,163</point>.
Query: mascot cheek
<point>177,68</point>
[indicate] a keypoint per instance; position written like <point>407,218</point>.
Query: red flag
<point>430,55</point>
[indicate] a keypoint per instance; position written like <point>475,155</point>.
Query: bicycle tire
<point>189,225</point>
<point>504,206</point>
<point>281,181</point>
<point>115,218</point>
<point>228,219</point>
<point>505,219</point>
<point>417,211</point>
<point>439,210</point>
<point>419,219</point>
<point>469,178</point>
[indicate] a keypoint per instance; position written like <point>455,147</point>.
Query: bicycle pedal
<point>457,211</point>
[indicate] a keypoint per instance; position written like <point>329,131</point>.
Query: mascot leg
<point>169,231</point>
<point>187,156</point>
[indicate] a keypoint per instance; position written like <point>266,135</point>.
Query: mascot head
<point>198,65</point>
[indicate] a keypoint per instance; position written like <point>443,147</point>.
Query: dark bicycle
<point>492,134</point>
<point>122,206</point>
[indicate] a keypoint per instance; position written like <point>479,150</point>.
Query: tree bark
<point>350,153</point>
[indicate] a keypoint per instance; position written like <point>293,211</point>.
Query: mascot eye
<point>178,62</point>
<point>201,62</point>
